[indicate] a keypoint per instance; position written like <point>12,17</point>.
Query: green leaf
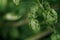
<point>11,16</point>
<point>14,33</point>
<point>27,7</point>
<point>3,4</point>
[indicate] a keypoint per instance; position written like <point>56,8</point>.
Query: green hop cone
<point>34,24</point>
<point>55,37</point>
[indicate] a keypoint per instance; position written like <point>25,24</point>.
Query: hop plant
<point>20,18</point>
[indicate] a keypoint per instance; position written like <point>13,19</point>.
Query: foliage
<point>38,15</point>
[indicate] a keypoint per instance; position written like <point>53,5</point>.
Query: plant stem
<point>40,35</point>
